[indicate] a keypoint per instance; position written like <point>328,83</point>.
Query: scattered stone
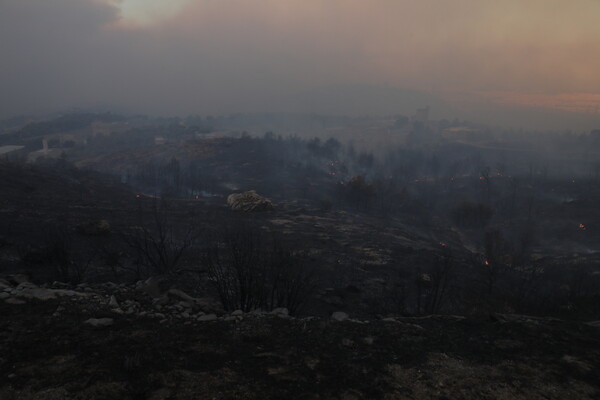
<point>180,295</point>
<point>14,302</point>
<point>160,301</point>
<point>280,312</point>
<point>99,322</point>
<point>113,303</point>
<point>339,316</point>
<point>209,305</point>
<point>154,286</point>
<point>38,294</point>
<point>207,317</point>
<point>26,285</point>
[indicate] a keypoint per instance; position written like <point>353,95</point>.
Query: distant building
<point>422,115</point>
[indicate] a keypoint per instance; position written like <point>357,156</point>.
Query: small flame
<point>582,227</point>
<point>487,262</point>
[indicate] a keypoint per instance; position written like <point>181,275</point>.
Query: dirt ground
<point>50,355</point>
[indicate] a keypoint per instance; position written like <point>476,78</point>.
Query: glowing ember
<point>442,244</point>
<point>487,262</point>
<point>582,227</point>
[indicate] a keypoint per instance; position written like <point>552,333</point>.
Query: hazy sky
<point>219,56</point>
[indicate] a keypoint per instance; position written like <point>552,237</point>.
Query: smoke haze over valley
<point>341,57</point>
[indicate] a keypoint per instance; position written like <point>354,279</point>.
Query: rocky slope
<point>148,341</point>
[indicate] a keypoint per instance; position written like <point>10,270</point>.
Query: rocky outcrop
<point>249,202</point>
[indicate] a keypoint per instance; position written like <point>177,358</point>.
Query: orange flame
<point>487,262</point>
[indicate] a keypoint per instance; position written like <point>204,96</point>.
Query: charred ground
<point>485,227</point>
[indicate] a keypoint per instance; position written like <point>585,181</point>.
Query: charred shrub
<point>159,242</point>
<point>58,253</point>
<point>251,270</point>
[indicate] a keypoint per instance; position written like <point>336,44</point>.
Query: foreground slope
<point>50,349</point>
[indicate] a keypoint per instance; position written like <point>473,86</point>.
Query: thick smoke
<point>267,55</point>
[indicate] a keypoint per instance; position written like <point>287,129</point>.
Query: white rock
<point>99,322</point>
<point>26,285</point>
<point>208,317</point>
<point>160,301</point>
<point>180,295</point>
<point>14,301</point>
<point>281,311</point>
<point>237,312</point>
<point>153,286</point>
<point>38,294</point>
<point>339,316</point>
<point>113,303</point>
